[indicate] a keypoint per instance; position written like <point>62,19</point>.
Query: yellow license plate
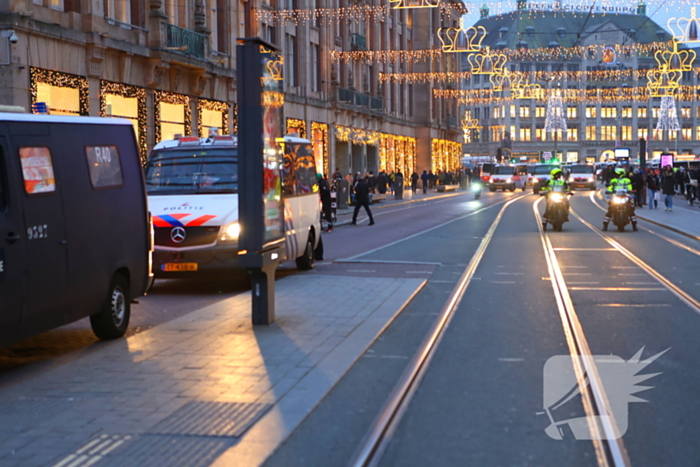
<point>179,267</point>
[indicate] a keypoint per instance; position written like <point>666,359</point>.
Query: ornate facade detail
<point>154,73</point>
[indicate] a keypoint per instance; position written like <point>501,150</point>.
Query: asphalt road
<point>481,400</point>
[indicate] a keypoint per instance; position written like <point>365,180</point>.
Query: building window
<point>296,127</point>
<point>572,134</point>
<point>655,112</point>
<point>642,133</point>
<point>524,111</point>
<point>687,134</point>
<point>608,112</point>
<point>525,134</point>
<point>119,10</point>
<point>212,115</point>
<point>685,112</point>
<point>697,133</point>
<point>57,5</point>
<point>571,156</point>
<point>315,64</point>
<point>557,135</point>
<point>173,115</point>
<point>512,111</point>
<point>626,133</point>
<point>63,94</point>
<point>571,112</point>
<point>627,112</point>
<point>591,133</point>
<point>540,134</point>
<point>540,111</point>
<point>608,133</point>
<point>641,112</point>
<point>498,112</point>
<point>658,135</point>
<point>123,101</point>
<point>591,111</point>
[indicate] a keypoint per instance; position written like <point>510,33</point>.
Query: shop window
<point>129,102</point>
<point>173,115</point>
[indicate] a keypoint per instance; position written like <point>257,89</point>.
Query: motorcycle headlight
<point>476,187</point>
<point>230,232</point>
<point>618,200</point>
<point>557,197</point>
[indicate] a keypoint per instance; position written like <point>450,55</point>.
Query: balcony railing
<point>186,42</point>
<point>361,100</point>
<point>358,42</point>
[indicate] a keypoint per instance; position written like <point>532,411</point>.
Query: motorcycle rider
<point>556,183</point>
<point>620,182</point>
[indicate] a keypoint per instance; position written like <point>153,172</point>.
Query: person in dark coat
<point>362,200</point>
<point>668,187</point>
<point>324,189</point>
<point>425,178</point>
<point>638,186</point>
<point>414,182</point>
<point>372,182</point>
<point>652,185</point>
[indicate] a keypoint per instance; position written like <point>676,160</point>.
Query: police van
<point>192,186</point>
<point>75,239</point>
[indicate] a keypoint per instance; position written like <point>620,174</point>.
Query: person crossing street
<point>362,200</point>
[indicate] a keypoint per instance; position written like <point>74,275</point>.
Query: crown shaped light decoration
<point>676,60</point>
<point>274,65</point>
<point>501,78</point>
<point>685,30</point>
<point>486,62</point>
<point>470,123</point>
<point>451,38</point>
<point>663,82</point>
<point>526,91</point>
<point>397,4</point>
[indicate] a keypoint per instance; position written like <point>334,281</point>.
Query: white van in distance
<point>192,186</point>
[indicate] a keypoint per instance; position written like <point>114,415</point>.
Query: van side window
<point>105,166</point>
<point>37,170</point>
<point>289,181</point>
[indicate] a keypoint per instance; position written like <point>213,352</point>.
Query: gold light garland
<point>356,135</point>
<point>272,99</point>
<point>294,125</point>
<point>235,119</point>
<point>216,106</point>
<point>351,14</point>
<point>65,80</point>
<point>130,92</point>
<point>317,127</point>
<point>451,37</point>
<point>445,155</point>
<point>397,154</point>
<point>545,53</point>
<point>690,93</point>
<point>172,98</point>
<point>400,4</point>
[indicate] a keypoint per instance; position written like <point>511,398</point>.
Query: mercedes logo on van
<point>178,234</point>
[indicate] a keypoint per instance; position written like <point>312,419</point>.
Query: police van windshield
<point>581,169</point>
<point>504,169</point>
<point>196,171</point>
<point>544,169</point>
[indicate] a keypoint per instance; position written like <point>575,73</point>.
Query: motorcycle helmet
<point>620,172</point>
<point>555,172</point>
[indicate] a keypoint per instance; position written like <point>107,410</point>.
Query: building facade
<point>603,85</point>
<point>169,66</point>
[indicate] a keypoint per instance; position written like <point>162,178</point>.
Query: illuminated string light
<point>214,106</point>
<point>357,135</point>
<point>397,154</point>
<point>445,155</point>
<point>322,129</point>
<point>129,92</point>
<point>668,115</point>
<point>64,80</point>
<point>172,98</point>
<point>685,30</point>
<point>295,125</point>
<point>402,4</point>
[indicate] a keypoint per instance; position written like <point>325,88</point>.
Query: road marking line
<point>625,305</point>
<point>583,283</point>
<point>574,267</point>
<point>384,261</point>
<point>620,289</point>
<point>419,272</point>
<point>635,274</point>
<point>361,270</point>
<point>584,249</point>
<point>577,273</point>
<point>625,267</point>
<point>511,359</point>
<point>510,273</point>
<point>503,282</point>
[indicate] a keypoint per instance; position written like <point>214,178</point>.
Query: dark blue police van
<point>75,231</point>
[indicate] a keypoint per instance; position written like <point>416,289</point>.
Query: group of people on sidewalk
<point>668,182</point>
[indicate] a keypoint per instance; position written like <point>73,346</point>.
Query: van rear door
<point>12,242</point>
<point>44,233</point>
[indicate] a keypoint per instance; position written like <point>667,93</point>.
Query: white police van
<point>192,186</point>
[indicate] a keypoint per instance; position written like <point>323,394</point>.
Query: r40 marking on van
<point>103,155</point>
<point>38,231</point>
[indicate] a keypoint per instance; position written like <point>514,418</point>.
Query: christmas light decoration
<point>272,99</point>
<point>674,59</point>
<point>668,116</point>
<point>356,135</point>
<point>445,155</point>
<point>398,4</point>
<point>555,121</point>
<point>351,14</point>
<point>397,154</point>
<point>129,92</point>
<point>487,62</point>
<point>216,106</point>
<point>469,124</point>
<point>685,30</point>
<point>172,98</point>
<point>463,38</point>
<point>274,66</point>
<point>64,80</point>
<point>296,126</point>
<point>406,56</point>
<point>663,82</point>
<point>319,134</point>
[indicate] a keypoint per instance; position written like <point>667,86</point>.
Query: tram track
<point>381,431</point>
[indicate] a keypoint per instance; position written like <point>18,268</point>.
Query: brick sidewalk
<point>204,386</point>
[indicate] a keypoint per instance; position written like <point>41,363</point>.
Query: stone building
<point>615,51</point>
<point>169,67</point>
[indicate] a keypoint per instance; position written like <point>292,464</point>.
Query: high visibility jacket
<point>622,183</point>
<point>555,185</point>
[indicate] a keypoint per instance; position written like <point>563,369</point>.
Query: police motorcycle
<point>476,189</point>
<point>557,211</point>
<point>619,204</point>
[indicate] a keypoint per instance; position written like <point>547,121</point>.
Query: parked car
<point>74,224</point>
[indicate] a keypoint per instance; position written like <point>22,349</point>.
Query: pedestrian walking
<point>638,187</point>
<point>425,178</point>
<point>381,182</point>
<point>372,182</point>
<point>362,200</point>
<point>668,187</point>
<point>652,185</point>
<point>324,189</point>
<point>414,182</point>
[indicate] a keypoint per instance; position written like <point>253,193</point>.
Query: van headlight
<point>230,232</point>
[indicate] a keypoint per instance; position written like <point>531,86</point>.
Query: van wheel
<point>306,261</point>
<point>111,322</point>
